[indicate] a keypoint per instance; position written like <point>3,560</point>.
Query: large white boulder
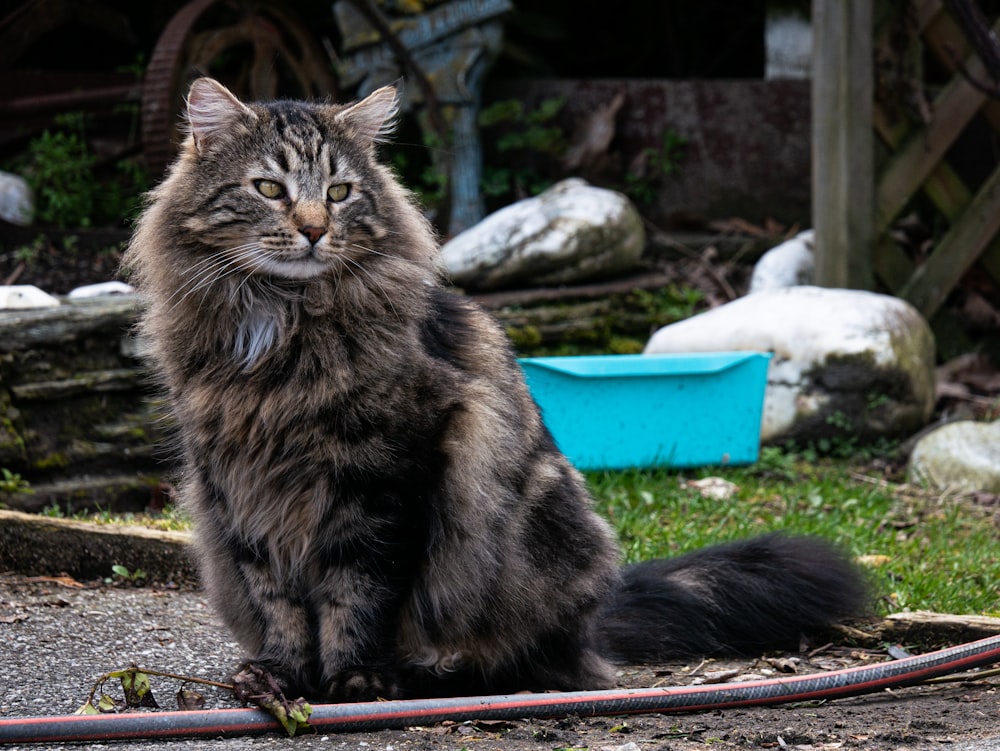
<point>961,456</point>
<point>789,264</point>
<point>570,233</point>
<point>847,364</point>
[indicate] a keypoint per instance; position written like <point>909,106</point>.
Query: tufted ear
<point>374,117</point>
<point>212,110</point>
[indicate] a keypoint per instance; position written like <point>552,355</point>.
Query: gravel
<point>56,640</point>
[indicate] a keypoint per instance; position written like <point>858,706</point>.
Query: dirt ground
<point>58,636</point>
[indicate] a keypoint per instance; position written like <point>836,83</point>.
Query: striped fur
<point>379,509</point>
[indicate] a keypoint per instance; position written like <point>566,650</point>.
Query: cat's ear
<point>374,117</point>
<point>212,111</point>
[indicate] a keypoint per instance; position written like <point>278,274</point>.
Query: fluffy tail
<point>743,597</point>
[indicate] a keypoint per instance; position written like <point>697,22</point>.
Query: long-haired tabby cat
<point>379,508</point>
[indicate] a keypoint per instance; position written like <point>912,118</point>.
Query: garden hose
<point>370,716</point>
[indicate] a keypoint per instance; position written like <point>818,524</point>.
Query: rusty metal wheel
<point>259,49</point>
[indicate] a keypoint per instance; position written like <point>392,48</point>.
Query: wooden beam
<point>943,186</point>
<point>923,150</point>
<point>842,156</point>
<point>957,250</point>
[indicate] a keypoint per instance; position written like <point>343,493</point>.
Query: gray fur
<point>380,510</point>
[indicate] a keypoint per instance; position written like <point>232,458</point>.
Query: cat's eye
<point>270,188</point>
<point>338,192</point>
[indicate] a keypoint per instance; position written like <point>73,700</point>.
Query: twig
<point>963,677</point>
<point>159,674</point>
<point>719,279</point>
<point>12,277</point>
<point>496,300</point>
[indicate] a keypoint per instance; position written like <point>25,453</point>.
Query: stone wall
<point>78,419</point>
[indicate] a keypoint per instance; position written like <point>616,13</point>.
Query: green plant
<point>54,511</point>
<point>526,141</point>
<point>123,574</point>
<point>72,189</point>
<point>12,482</point>
<point>29,253</point>
<point>61,173</point>
<point>653,166</point>
<point>840,421</point>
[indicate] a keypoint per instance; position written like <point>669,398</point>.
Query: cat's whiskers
<point>226,263</point>
<point>202,271</point>
<point>259,261</point>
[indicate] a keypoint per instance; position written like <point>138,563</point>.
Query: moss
<point>12,444</point>
<point>54,460</point>
<point>524,337</point>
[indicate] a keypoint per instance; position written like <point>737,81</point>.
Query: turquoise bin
<point>679,410</point>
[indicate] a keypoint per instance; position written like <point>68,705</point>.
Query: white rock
<point>846,363</point>
<point>23,296</point>
<point>100,289</point>
<point>961,456</point>
<point>570,233</point>
<point>790,264</point>
<point>17,202</point>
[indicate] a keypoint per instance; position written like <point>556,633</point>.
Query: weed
<point>54,511</point>
<point>28,254</point>
<point>653,166</point>
<point>71,188</point>
<point>12,482</point>
<point>123,574</point>
<point>61,174</point>
<point>526,142</point>
<point>840,421</point>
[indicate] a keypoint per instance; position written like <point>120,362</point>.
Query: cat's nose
<point>312,233</point>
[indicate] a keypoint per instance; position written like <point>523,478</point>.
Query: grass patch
<point>170,519</point>
<point>924,551</point>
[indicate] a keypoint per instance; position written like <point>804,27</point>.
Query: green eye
<point>269,188</point>
<point>338,192</point>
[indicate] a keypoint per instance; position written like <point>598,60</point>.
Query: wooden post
<point>843,204</point>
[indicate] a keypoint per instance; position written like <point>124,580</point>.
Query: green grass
<point>170,519</point>
<point>923,551</point>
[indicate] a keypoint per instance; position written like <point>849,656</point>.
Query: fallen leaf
<point>138,692</point>
<point>87,708</point>
<point>107,704</point>
<point>190,700</point>
<point>784,664</point>
<point>713,487</point>
<point>873,560</point>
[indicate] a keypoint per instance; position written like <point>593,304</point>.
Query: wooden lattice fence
<point>918,130</point>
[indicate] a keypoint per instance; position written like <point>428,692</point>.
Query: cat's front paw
<point>362,684</point>
<point>256,683</point>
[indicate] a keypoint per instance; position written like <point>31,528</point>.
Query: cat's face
<point>287,189</point>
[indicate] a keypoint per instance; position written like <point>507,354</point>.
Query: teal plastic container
<point>682,410</point>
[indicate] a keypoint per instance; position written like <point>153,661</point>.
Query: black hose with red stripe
<point>368,716</point>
